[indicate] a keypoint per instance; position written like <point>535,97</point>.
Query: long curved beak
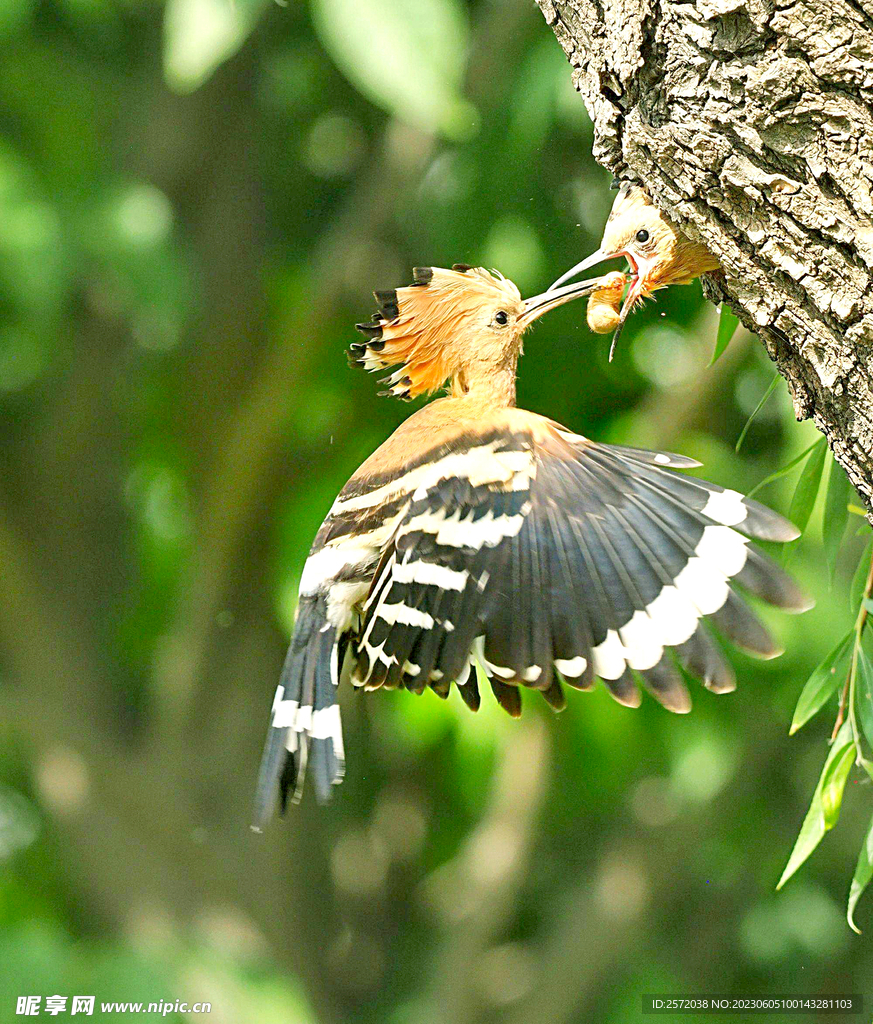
<point>600,256</point>
<point>639,288</point>
<point>540,304</point>
<point>640,283</point>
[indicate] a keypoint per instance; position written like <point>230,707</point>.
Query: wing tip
<point>555,697</point>
<point>783,530</point>
<point>724,685</point>
<point>791,532</point>
<point>803,602</point>
<point>653,457</point>
<point>665,684</point>
<point>765,524</point>
<point>624,690</point>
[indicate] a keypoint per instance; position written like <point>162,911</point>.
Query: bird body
<point>482,533</point>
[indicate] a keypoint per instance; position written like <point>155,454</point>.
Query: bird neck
<point>684,262</point>
<point>492,386</point>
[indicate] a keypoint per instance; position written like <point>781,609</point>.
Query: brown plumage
<point>481,538</point>
<point>656,250</point>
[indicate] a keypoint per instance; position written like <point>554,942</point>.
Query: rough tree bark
<point>751,123</point>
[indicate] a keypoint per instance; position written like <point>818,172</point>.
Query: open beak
<point>641,273</point>
<point>600,256</point>
<point>539,304</point>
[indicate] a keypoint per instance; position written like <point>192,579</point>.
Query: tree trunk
<point>751,123</point>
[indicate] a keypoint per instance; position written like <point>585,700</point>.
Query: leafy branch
<point>848,662</point>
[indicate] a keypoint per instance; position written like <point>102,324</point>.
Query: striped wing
<point>569,560</point>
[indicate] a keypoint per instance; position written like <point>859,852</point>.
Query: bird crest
<point>415,328</point>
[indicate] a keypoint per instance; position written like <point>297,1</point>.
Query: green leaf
<point>784,471</point>
<point>825,807</point>
<point>822,683</point>
<point>406,56</point>
<point>859,580</point>
<point>728,322</point>
<point>770,389</point>
<point>199,35</point>
<point>806,491</point>
<point>835,783</point>
<point>836,514</point>
<point>864,695</point>
<point>863,874</point>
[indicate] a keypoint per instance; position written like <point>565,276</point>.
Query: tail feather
<point>305,724</point>
<point>273,767</point>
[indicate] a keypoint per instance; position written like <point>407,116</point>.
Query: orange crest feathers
<point>420,328</point>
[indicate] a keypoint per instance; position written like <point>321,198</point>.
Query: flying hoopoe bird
<point>482,533</point>
<point>656,250</point>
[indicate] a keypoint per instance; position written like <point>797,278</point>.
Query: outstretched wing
<point>558,558</point>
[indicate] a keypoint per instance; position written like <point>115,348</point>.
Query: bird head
<point>657,252</point>
<point>446,321</point>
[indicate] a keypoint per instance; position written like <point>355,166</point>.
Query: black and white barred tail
<point>305,727</point>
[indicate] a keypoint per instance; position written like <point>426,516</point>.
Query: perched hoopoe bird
<point>482,533</point>
<point>656,250</point>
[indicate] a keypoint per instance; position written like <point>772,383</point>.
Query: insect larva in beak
<point>605,302</point>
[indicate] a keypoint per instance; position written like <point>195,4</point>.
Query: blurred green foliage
<point>195,202</point>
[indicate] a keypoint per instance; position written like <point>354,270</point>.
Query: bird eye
<point>642,235</point>
<point>501,318</point>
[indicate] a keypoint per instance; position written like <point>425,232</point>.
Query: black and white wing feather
<point>562,559</point>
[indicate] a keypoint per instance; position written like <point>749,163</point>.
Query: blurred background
<point>196,200</point>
